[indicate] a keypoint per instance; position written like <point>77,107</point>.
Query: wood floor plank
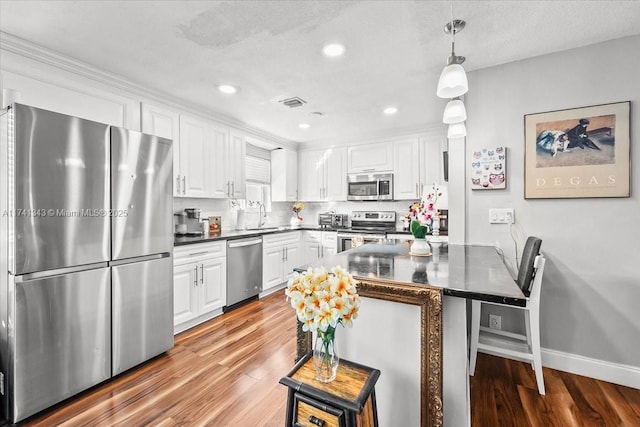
<point>225,372</point>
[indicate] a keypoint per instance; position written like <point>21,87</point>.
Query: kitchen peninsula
<point>412,325</point>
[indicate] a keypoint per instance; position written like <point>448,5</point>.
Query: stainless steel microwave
<point>372,186</point>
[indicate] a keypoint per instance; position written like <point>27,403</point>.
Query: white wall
<point>591,286</point>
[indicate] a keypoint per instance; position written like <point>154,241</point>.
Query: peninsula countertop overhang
<point>465,271</point>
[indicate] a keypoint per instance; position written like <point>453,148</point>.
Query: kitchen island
<point>412,325</point>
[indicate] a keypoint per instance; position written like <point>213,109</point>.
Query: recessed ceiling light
<point>389,111</point>
<point>304,125</point>
<point>333,49</point>
<point>227,89</point>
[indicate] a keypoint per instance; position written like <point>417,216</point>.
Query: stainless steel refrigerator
<point>87,279</point>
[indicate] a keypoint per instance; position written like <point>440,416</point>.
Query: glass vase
<point>325,358</point>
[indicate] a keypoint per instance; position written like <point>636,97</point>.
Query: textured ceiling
<point>272,50</point>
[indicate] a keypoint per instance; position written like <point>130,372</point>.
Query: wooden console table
<point>347,401</point>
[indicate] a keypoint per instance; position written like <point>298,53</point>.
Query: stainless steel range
<point>366,226</point>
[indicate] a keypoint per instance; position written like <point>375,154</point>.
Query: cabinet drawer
<point>189,253</point>
<point>281,238</point>
<point>307,413</point>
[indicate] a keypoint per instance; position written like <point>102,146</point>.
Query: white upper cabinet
<point>322,175</point>
<point>371,158</point>
<point>335,185</point>
<point>417,165</point>
<point>165,123</point>
<point>406,170</point>
<point>219,186</point>
<point>235,158</point>
<point>284,175</point>
<point>194,157</point>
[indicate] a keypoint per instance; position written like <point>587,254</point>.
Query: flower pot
<point>420,247</point>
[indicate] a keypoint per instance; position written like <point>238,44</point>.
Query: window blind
<point>258,170</point>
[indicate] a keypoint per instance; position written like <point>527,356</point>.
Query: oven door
<point>347,241</point>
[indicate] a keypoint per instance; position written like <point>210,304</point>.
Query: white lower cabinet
<point>199,283</point>
<point>319,244</point>
<point>280,255</point>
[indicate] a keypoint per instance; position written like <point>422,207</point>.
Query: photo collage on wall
<point>488,169</point>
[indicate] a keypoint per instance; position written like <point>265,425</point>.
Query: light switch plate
<point>501,216</point>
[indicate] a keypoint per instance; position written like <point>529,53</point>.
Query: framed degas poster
<point>581,152</point>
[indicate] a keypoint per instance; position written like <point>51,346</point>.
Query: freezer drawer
<point>62,339</point>
<point>142,200</point>
<point>142,311</point>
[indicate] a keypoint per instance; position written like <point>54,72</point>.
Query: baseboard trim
<point>616,373</point>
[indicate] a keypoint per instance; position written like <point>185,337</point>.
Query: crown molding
<point>35,52</point>
<point>427,129</point>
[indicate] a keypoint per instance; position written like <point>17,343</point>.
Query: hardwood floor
<point>226,372</point>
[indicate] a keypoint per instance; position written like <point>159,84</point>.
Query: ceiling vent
<point>293,102</point>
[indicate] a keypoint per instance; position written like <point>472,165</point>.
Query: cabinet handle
<point>417,185</point>
<point>229,188</point>
<point>184,185</point>
<point>178,184</point>
<point>282,254</point>
<point>196,282</point>
<point>421,190</point>
<point>315,420</point>
<point>286,254</point>
<point>233,188</point>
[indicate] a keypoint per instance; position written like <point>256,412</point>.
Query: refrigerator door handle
<point>59,272</point>
<point>139,259</point>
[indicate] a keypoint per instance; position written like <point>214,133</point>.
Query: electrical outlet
<point>501,216</point>
<point>495,321</point>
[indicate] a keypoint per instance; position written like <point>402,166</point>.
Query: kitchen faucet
<point>261,215</point>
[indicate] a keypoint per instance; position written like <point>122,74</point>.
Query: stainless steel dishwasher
<point>244,271</point>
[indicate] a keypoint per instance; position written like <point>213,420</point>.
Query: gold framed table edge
<point>430,301</point>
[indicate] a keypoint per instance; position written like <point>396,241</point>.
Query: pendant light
<point>453,79</point>
<point>457,130</point>
<point>454,112</point>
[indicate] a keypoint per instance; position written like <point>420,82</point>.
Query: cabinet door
<point>406,171</point>
<point>310,175</point>
<point>236,164</point>
<point>185,297</point>
<point>165,123</point>
<point>371,158</point>
<point>212,284</point>
<point>219,186</point>
<point>431,162</point>
<point>284,175</point>
<point>194,157</point>
<point>336,174</point>
<point>292,257</point>
<point>273,259</point>
<point>329,243</point>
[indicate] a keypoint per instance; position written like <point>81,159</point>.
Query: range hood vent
<point>293,102</point>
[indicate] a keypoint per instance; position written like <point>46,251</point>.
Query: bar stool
<point>530,281</point>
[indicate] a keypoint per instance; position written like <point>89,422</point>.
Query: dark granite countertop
<point>474,272</point>
<point>240,234</point>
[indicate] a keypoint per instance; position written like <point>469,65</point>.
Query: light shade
<point>453,82</point>
<point>454,112</point>
<point>457,130</point>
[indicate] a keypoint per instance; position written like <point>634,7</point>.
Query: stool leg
<point>476,307</point>
<point>534,319</point>
<point>527,325</point>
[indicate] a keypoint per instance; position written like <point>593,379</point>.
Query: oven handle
<point>364,236</point>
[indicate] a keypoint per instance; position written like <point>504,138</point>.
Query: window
<point>258,177</point>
